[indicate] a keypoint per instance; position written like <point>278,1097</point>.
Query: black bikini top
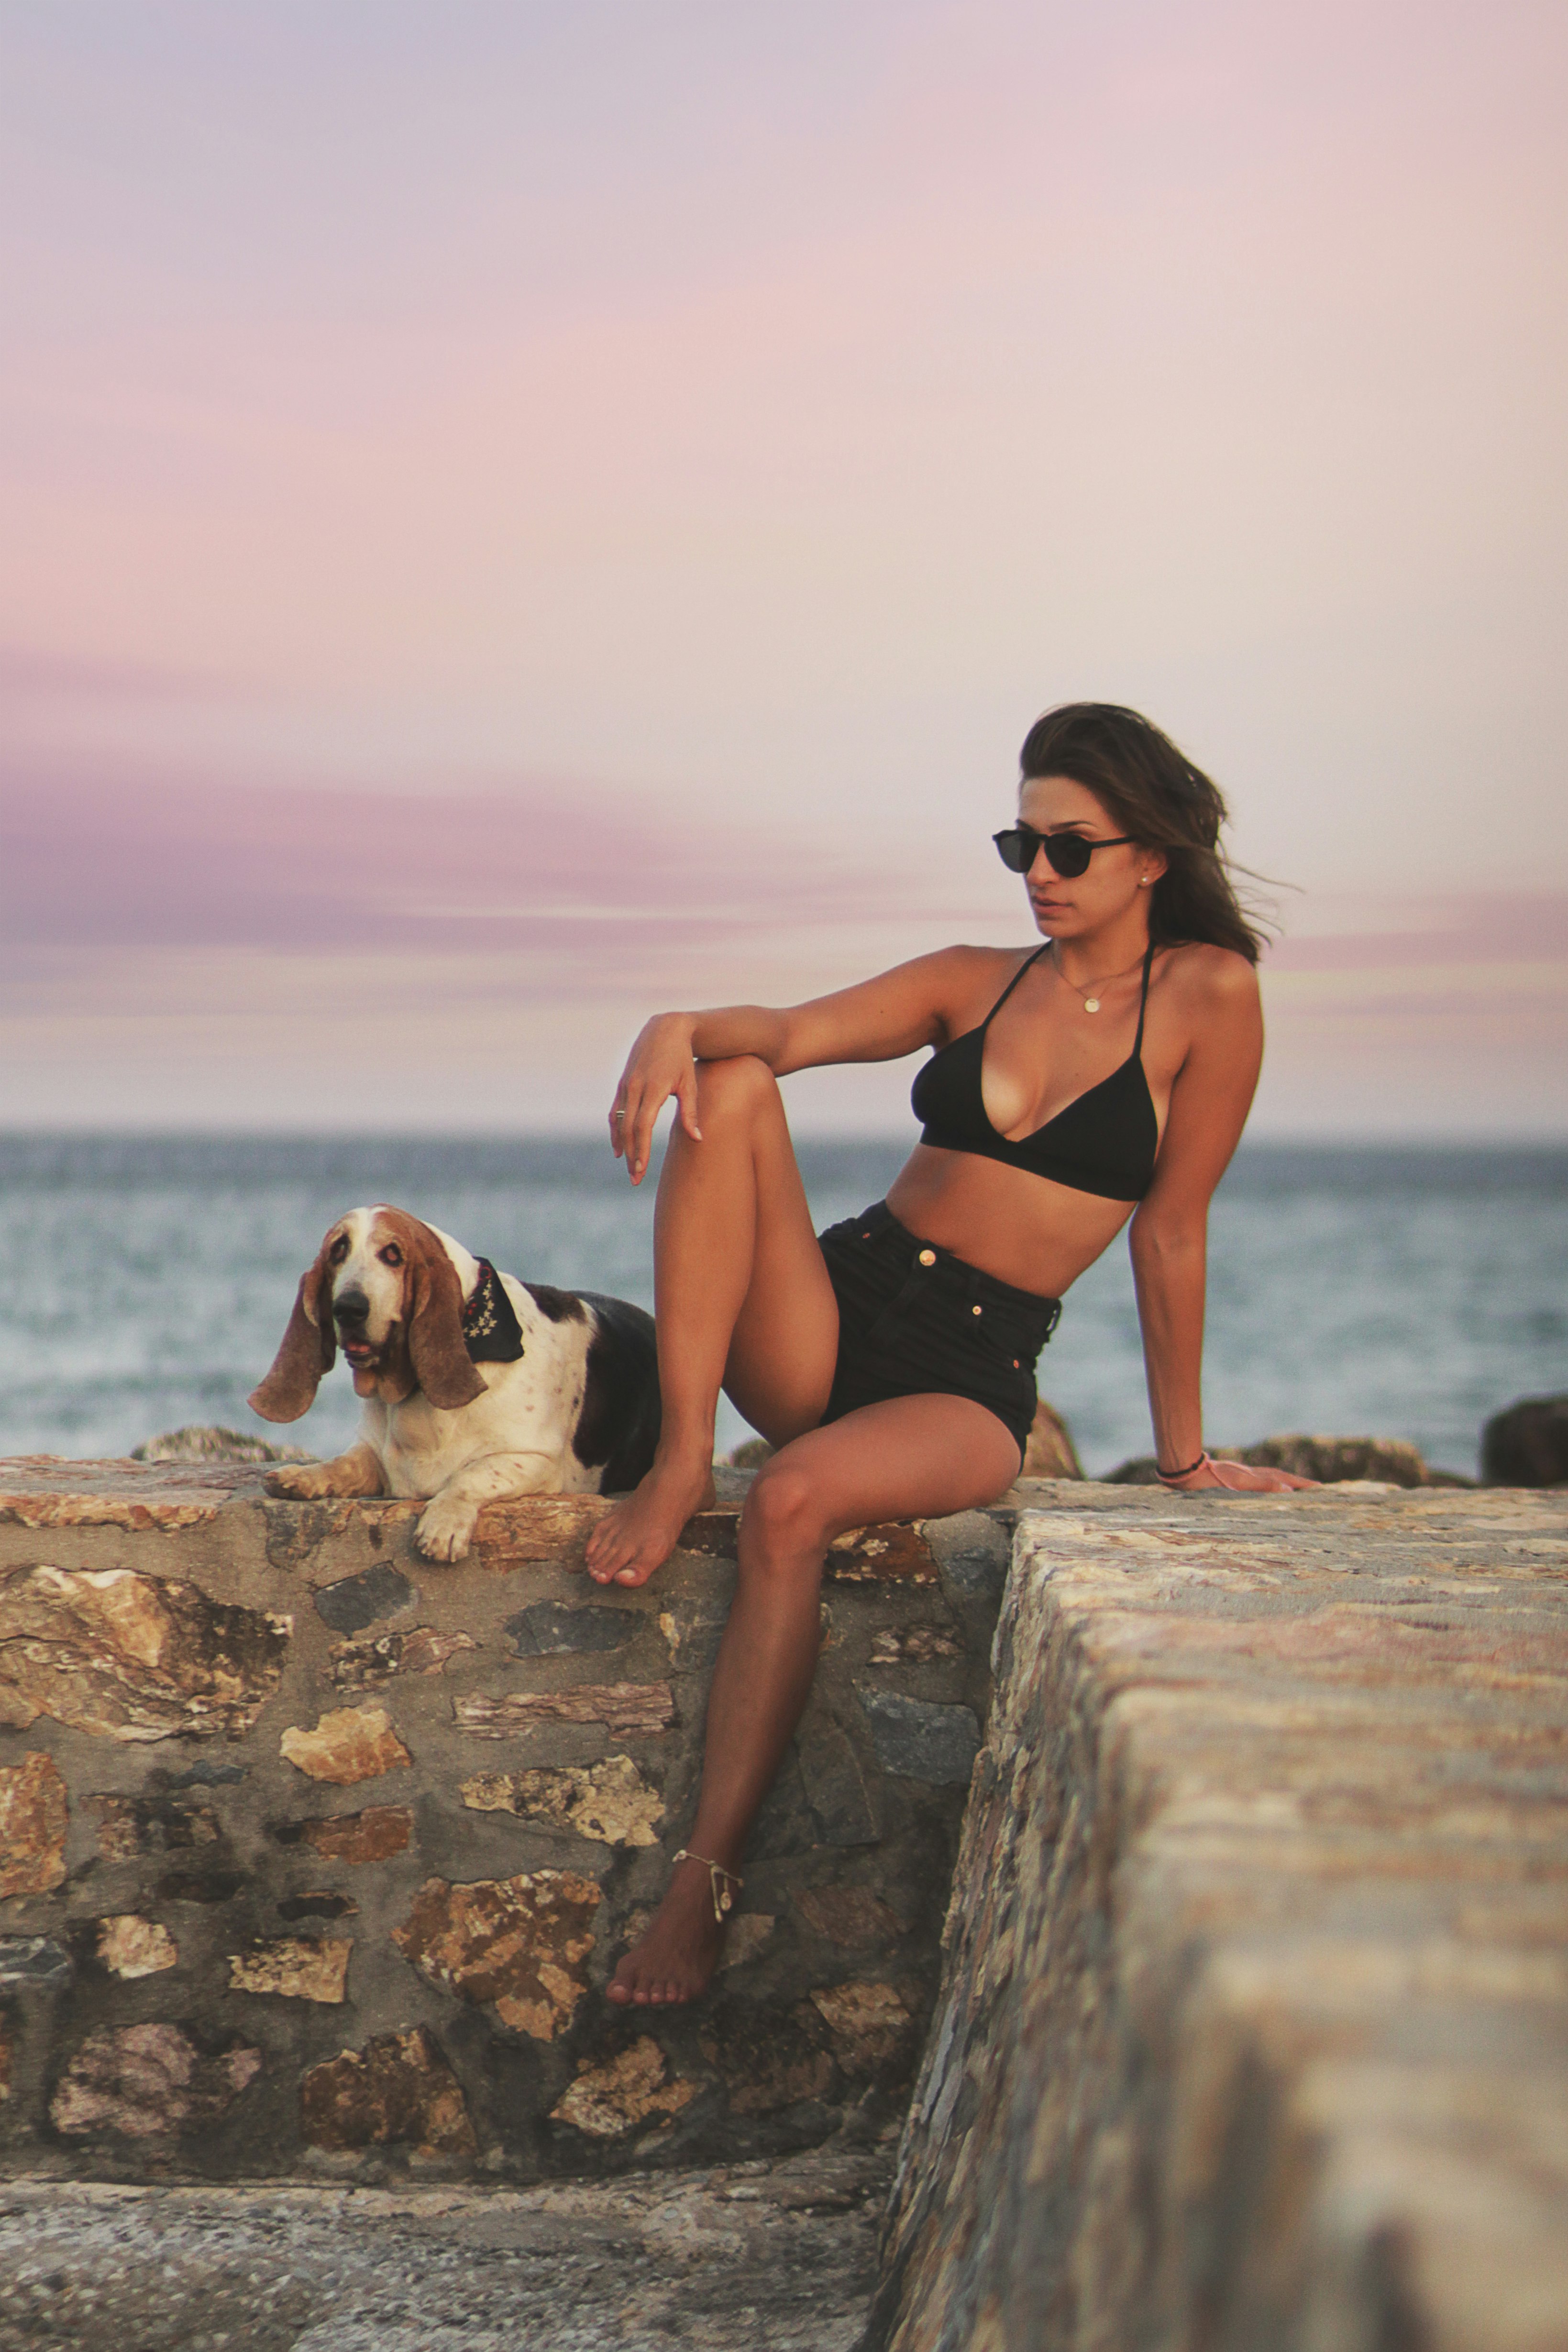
<point>1103,1142</point>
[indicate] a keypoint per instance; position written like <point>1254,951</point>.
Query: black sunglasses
<point>1067,854</point>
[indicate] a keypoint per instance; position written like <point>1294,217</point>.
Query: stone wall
<point>1253,2033</point>
<point>315,1858</point>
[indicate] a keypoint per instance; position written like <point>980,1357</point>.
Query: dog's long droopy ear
<point>442,1365</point>
<point>309,1348</point>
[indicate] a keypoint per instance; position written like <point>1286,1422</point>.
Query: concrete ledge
<point>1253,2030</point>
<point>315,1857</point>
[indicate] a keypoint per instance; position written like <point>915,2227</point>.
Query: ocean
<point>1395,1292</point>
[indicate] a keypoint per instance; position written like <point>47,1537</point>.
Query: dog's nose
<point>351,1307</point>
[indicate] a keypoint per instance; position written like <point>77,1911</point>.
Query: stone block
<point>614,2095</point>
<point>374,1835</point>
<point>133,1657</point>
<point>366,1665</point>
<point>520,1944</point>
<point>34,1815</point>
<point>356,1602</point>
<point>692,1630</point>
<point>746,1937</point>
<point>836,1782</point>
<point>348,1744</point>
<point>610,1802</point>
<point>624,1709</point>
<point>199,1885</point>
<point>148,2082</point>
<point>1253,2007</point>
<point>130,1945</point>
<point>294,1967</point>
<point>398,2088</point>
<point>160,1823</point>
<point>317,1906</point>
<point>913,1644</point>
<point>919,1741</point>
<point>549,1628</point>
<point>846,1914</point>
<point>34,1963</point>
<point>768,2060</point>
<point>870,2026</point>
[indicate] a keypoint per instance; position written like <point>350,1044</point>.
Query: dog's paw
<point>444,1528</point>
<point>301,1482</point>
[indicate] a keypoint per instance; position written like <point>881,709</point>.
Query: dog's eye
<point>391,1254</point>
<point>339,1250</point>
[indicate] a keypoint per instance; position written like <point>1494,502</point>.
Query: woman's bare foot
<point>676,1958</point>
<point>637,1535</point>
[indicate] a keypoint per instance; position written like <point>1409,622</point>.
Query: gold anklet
<point>723,1901</point>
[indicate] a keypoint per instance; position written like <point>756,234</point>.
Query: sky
<point>514,515</point>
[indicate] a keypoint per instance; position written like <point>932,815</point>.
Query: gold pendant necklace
<point>1091,1002</point>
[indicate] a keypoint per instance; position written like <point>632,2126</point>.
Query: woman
<point>1105,1075</point>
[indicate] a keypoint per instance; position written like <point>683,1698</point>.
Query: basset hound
<point>476,1386</point>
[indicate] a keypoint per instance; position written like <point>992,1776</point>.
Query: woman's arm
<point>876,1020</point>
<point>1169,1236</point>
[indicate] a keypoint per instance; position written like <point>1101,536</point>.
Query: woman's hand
<point>1235,1478</point>
<point>660,1065</point>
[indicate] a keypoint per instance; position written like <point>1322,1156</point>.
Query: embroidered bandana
<point>492,1333</point>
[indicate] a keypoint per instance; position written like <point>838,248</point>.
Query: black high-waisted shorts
<point>913,1318</point>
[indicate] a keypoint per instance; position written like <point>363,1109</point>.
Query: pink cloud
<point>100,865</point>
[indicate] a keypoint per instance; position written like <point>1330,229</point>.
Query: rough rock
<point>836,1782</point>
<point>549,1628</point>
<point>919,1644</point>
<point>132,1658</point>
<point>160,1823</point>
<point>199,1885</point>
<point>34,1960</point>
<point>921,1741</point>
<point>748,1934</point>
<point>34,1815</point>
<point>1050,1452</point>
<point>870,2026</point>
<point>893,1550</point>
<point>7,2061</point>
<point>1254,2010</point>
<point>612,2098</point>
<point>296,1968</point>
<point>1385,1461</point>
<point>846,1914</point>
<point>521,1943</point>
<point>130,1945</point>
<point>354,1602</point>
<point>146,2081</point>
<point>610,1802</point>
<point>367,1665</point>
<point>768,2061</point>
<point>43,1491</point>
<point>754,2257</point>
<point>399,2087</point>
<point>374,1835</point>
<point>1527,1444</point>
<point>205,1441</point>
<point>319,1904</point>
<point>348,1744</point>
<point>625,1709</point>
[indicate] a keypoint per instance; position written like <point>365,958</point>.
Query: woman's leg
<point>741,1298</point>
<point>912,1458</point>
